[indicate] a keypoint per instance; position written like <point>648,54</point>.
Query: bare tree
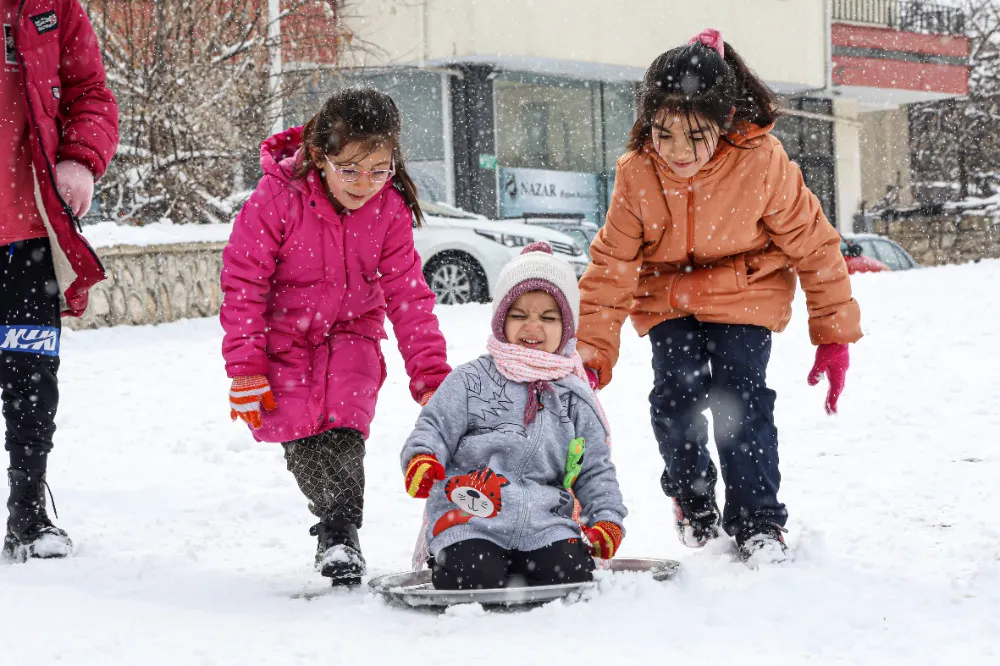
<point>954,144</point>
<point>191,79</point>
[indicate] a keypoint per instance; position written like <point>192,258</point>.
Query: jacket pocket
<point>278,343</point>
<point>45,108</point>
<point>760,266</point>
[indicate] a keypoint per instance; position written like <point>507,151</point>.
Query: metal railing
<point>904,15</point>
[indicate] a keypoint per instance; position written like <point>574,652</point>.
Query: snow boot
<point>697,520</point>
<point>698,516</point>
<point>762,543</point>
<point>338,552</point>
<point>30,533</point>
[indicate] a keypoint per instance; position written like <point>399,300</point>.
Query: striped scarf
<point>537,368</point>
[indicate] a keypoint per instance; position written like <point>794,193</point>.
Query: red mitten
<point>832,360</point>
<point>592,377</point>
<point>247,396</point>
<point>605,538</point>
<point>421,474</point>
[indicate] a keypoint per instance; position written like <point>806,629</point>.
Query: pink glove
<point>75,183</point>
<point>832,359</point>
<point>593,378</point>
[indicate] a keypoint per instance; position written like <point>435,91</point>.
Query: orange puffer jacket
<point>724,246</point>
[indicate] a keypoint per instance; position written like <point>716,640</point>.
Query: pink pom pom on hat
<point>538,269</point>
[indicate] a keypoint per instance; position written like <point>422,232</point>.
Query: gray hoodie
<point>505,479</point>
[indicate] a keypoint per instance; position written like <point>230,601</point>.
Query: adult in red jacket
<point>58,131</point>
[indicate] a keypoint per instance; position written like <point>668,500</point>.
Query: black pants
<point>478,564</point>
<point>722,367</point>
<point>29,351</point>
<point>330,470</point>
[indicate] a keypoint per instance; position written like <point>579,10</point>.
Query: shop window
<point>545,125</point>
<point>619,117</point>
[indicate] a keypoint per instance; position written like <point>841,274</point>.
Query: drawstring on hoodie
<point>535,389</point>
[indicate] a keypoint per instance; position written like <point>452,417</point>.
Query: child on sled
<point>512,440</point>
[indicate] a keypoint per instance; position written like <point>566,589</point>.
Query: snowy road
<point>192,538</point>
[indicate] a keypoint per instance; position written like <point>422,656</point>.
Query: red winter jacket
<point>72,116</point>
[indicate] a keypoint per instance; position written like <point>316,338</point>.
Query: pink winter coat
<point>306,291</point>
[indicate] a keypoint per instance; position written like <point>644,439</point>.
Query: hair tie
<point>712,39</point>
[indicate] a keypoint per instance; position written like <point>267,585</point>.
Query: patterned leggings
<point>329,468</point>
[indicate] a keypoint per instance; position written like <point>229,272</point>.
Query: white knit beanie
<point>537,269</point>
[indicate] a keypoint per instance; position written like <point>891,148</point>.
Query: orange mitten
<point>246,397</point>
<point>605,538</point>
<point>421,474</point>
<point>426,397</point>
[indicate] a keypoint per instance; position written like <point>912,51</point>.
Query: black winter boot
<point>338,552</point>
<point>697,516</point>
<point>30,533</point>
<point>762,543</point>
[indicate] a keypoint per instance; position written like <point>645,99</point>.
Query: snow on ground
<point>192,538</point>
<point>106,234</point>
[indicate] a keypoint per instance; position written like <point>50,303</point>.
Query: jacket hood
<point>281,155</point>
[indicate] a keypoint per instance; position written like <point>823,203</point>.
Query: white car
<point>463,253</point>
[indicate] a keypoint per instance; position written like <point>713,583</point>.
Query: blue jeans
<point>722,367</point>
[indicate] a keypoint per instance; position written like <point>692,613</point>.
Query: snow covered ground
<point>192,538</point>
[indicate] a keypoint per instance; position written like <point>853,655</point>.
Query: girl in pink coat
<point>320,253</point>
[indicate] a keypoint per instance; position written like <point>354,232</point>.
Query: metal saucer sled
<point>414,588</point>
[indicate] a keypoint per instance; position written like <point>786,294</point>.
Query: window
<point>619,116</point>
<point>545,123</point>
<point>868,248</point>
<point>892,256</point>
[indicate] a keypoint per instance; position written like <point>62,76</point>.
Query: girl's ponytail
<point>755,102</point>
<point>407,188</point>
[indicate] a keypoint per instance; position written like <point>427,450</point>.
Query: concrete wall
<point>885,156</point>
<point>154,284</point>
<point>947,239</point>
<point>783,40</point>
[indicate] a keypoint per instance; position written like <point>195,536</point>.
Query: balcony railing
<point>907,16</point>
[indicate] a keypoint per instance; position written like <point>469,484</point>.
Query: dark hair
<point>695,81</point>
<point>359,114</point>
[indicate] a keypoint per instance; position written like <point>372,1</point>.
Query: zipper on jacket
<point>519,476</point>
<point>690,221</point>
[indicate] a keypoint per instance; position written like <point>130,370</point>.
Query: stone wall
<point>154,284</point>
<point>944,239</point>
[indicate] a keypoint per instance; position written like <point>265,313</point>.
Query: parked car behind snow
<point>864,252</point>
<point>574,226</point>
<point>463,253</point>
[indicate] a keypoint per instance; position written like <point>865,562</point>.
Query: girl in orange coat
<point>709,225</point>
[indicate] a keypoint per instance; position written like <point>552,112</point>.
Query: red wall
<point>888,60</point>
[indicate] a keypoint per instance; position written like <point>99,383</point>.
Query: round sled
<point>414,588</point>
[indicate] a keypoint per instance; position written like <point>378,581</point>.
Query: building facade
<point>522,107</point>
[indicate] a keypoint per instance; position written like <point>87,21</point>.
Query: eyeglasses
<point>352,174</point>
